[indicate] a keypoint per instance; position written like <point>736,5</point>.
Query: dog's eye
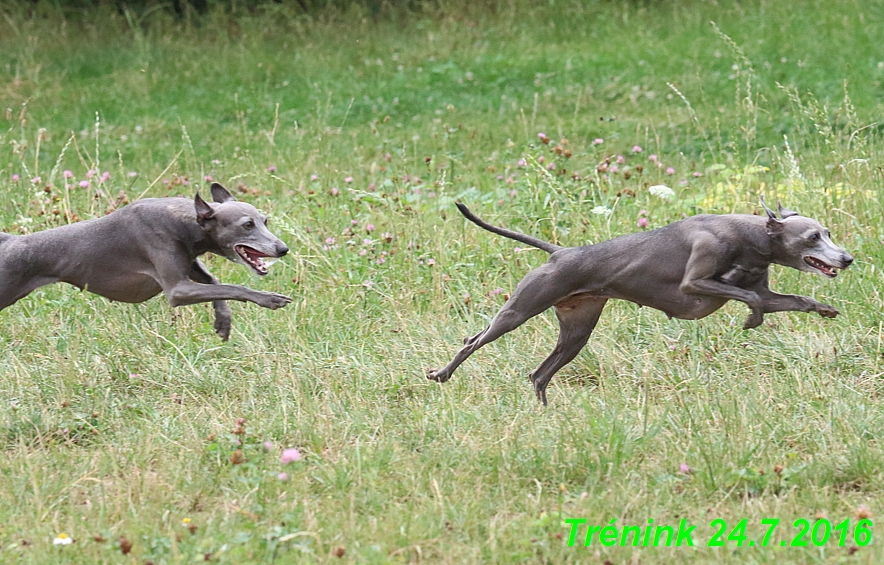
<point>815,237</point>
<point>249,225</point>
<point>266,221</point>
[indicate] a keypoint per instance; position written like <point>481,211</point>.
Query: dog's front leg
<point>704,261</point>
<point>173,277</point>
<point>773,302</point>
<point>708,287</point>
<point>187,292</point>
<point>200,274</point>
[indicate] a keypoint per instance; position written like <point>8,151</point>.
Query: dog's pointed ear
<point>770,213</point>
<point>221,194</point>
<point>784,213</point>
<point>204,212</point>
<point>774,226</point>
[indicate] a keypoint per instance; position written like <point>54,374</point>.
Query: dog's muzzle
<point>826,269</point>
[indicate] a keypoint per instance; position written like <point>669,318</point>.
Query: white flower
<point>602,211</point>
<point>62,539</point>
<point>662,191</point>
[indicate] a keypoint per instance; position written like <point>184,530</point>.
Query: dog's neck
<point>762,245</point>
<point>204,243</point>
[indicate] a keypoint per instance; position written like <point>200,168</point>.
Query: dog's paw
<point>222,321</point>
<point>273,300</point>
<point>826,311</point>
<point>222,327</point>
<point>437,375</point>
<point>753,320</point>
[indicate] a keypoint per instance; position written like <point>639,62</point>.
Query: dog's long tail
<point>527,239</point>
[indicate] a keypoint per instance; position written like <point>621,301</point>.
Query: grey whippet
<point>149,246</point>
<point>688,269</point>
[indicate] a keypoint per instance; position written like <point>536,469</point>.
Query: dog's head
<point>804,244</point>
<point>239,230</point>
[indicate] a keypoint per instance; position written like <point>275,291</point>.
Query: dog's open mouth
<point>254,259</point>
<point>821,266</point>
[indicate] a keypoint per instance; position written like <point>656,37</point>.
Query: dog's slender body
<point>145,248</point>
<point>688,269</point>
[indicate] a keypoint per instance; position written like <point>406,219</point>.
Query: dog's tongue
<point>263,259</point>
<point>255,259</point>
<point>821,266</point>
<point>255,256</point>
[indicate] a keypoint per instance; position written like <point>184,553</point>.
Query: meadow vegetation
<point>139,434</point>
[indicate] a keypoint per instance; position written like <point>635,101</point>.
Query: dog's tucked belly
<point>694,307</point>
<point>675,303</point>
<point>128,287</point>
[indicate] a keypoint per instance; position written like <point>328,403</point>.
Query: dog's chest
<point>743,276</point>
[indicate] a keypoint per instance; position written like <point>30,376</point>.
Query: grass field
<point>356,132</point>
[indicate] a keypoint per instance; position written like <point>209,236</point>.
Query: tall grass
<point>356,132</point>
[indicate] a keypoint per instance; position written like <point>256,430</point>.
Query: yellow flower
<point>62,539</point>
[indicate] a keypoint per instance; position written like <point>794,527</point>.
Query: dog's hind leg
<point>17,278</point>
<point>577,319</point>
<point>199,273</point>
<point>14,287</point>
<point>533,295</point>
